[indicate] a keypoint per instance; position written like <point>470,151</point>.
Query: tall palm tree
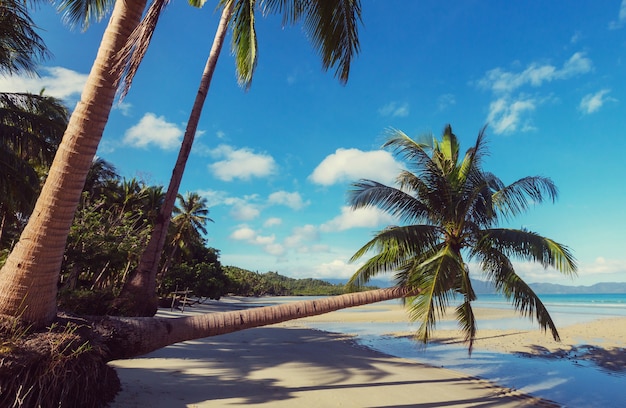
<point>333,28</point>
<point>451,208</point>
<point>28,279</point>
<point>188,222</point>
<point>190,217</point>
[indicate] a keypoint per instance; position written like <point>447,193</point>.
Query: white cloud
<point>302,234</point>
<point>511,109</point>
<point>591,103</point>
<point>291,200</point>
<point>58,82</point>
<point>445,101</point>
<point>504,82</point>
<point>336,269</point>
<point>353,164</point>
<point>395,109</point>
<point>507,115</point>
<point>244,233</point>
<point>241,163</point>
<point>603,265</point>
<point>621,17</point>
<point>267,243</point>
<point>368,217</point>
<point>243,209</point>
<point>272,222</point>
<point>214,197</point>
<point>154,130</point>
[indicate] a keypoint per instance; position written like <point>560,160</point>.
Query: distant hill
<point>603,287</point>
<point>485,288</point>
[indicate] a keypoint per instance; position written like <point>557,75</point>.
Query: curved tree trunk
<point>28,280</point>
<point>138,296</point>
<point>132,337</point>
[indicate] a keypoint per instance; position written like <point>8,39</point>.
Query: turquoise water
<point>570,382</point>
<point>598,304</point>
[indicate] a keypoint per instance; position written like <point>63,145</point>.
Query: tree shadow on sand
<point>612,359</point>
<point>234,369</point>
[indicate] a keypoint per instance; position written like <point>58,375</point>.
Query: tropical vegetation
<point>89,227</point>
<point>452,209</point>
<point>31,127</point>
<point>332,27</point>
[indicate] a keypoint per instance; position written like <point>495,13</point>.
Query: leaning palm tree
<point>333,29</point>
<point>452,208</point>
<point>28,279</point>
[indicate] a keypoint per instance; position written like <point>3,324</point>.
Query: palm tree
<point>20,46</point>
<point>452,208</point>
<point>188,223</point>
<point>332,27</point>
<point>31,127</point>
<point>28,279</point>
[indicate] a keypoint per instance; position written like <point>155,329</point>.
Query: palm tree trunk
<point>138,296</point>
<point>132,337</point>
<point>28,280</point>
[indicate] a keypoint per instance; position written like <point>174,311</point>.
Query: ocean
<point>570,382</point>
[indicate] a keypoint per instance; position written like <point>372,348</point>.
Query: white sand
<point>289,365</point>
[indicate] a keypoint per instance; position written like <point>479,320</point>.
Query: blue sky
<point>275,162</point>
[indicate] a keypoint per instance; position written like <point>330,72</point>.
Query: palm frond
<point>529,246</point>
<point>467,321</point>
<point>501,273</point>
<point>437,274</point>
<point>131,55</point>
<point>366,193</point>
<point>83,12</point>
<point>416,154</point>
<point>332,26</point>
<point>395,246</point>
<point>473,156</point>
<point>515,198</point>
<point>21,48</point>
<point>464,313</point>
<point>446,151</point>
<point>244,42</point>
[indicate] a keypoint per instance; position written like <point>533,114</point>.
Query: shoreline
<point>298,364</point>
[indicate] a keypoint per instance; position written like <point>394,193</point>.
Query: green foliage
<point>243,282</point>
<point>203,279</point>
<point>85,302</point>
<point>31,127</point>
<point>451,208</point>
<point>21,48</point>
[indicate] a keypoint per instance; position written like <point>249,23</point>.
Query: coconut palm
<point>20,46</point>
<point>31,127</point>
<point>188,222</point>
<point>332,27</point>
<point>451,208</point>
<point>28,279</point>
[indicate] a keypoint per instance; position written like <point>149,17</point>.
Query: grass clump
<point>61,366</point>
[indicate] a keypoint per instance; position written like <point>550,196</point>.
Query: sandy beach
<point>293,365</point>
<point>602,341</point>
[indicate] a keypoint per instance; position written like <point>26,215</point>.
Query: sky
<point>275,162</point>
